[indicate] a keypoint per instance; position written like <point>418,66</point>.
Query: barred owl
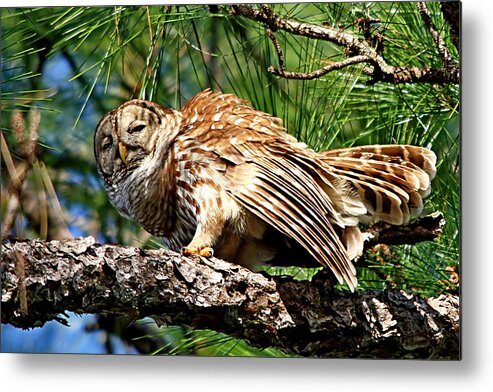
<point>219,176</point>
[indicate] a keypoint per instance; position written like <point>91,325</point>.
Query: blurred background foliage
<point>76,63</point>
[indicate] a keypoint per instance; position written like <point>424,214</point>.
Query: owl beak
<point>123,151</point>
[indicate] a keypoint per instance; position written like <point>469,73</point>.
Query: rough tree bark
<point>42,280</point>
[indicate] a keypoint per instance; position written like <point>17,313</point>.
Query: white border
<point>474,373</point>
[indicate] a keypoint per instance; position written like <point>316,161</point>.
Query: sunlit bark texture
<point>42,280</point>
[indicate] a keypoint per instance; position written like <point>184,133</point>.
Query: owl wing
<point>284,191</point>
<point>271,174</point>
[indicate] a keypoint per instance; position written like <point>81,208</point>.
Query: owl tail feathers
<point>379,183</point>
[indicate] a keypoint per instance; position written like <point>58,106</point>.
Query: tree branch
<point>426,228</point>
<point>360,50</point>
<point>281,70</point>
<point>451,12</point>
<point>299,317</point>
<point>439,42</point>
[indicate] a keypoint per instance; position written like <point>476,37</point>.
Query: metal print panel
<point>275,180</point>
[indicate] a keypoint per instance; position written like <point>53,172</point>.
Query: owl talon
<point>202,251</point>
<point>207,252</point>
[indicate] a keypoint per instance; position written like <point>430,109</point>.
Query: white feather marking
<point>233,140</point>
<point>217,117</point>
<point>296,172</point>
<point>252,186</point>
<point>274,201</point>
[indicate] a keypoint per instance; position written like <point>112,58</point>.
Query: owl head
<point>134,135</point>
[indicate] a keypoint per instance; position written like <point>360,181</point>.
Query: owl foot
<point>204,251</point>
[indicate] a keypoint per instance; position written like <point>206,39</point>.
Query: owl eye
<point>135,128</point>
<point>107,143</point>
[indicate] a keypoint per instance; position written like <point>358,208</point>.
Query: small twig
<point>277,46</point>
<point>319,72</point>
<point>439,42</point>
<point>281,70</point>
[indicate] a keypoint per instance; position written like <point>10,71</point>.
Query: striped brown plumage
<point>219,176</point>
